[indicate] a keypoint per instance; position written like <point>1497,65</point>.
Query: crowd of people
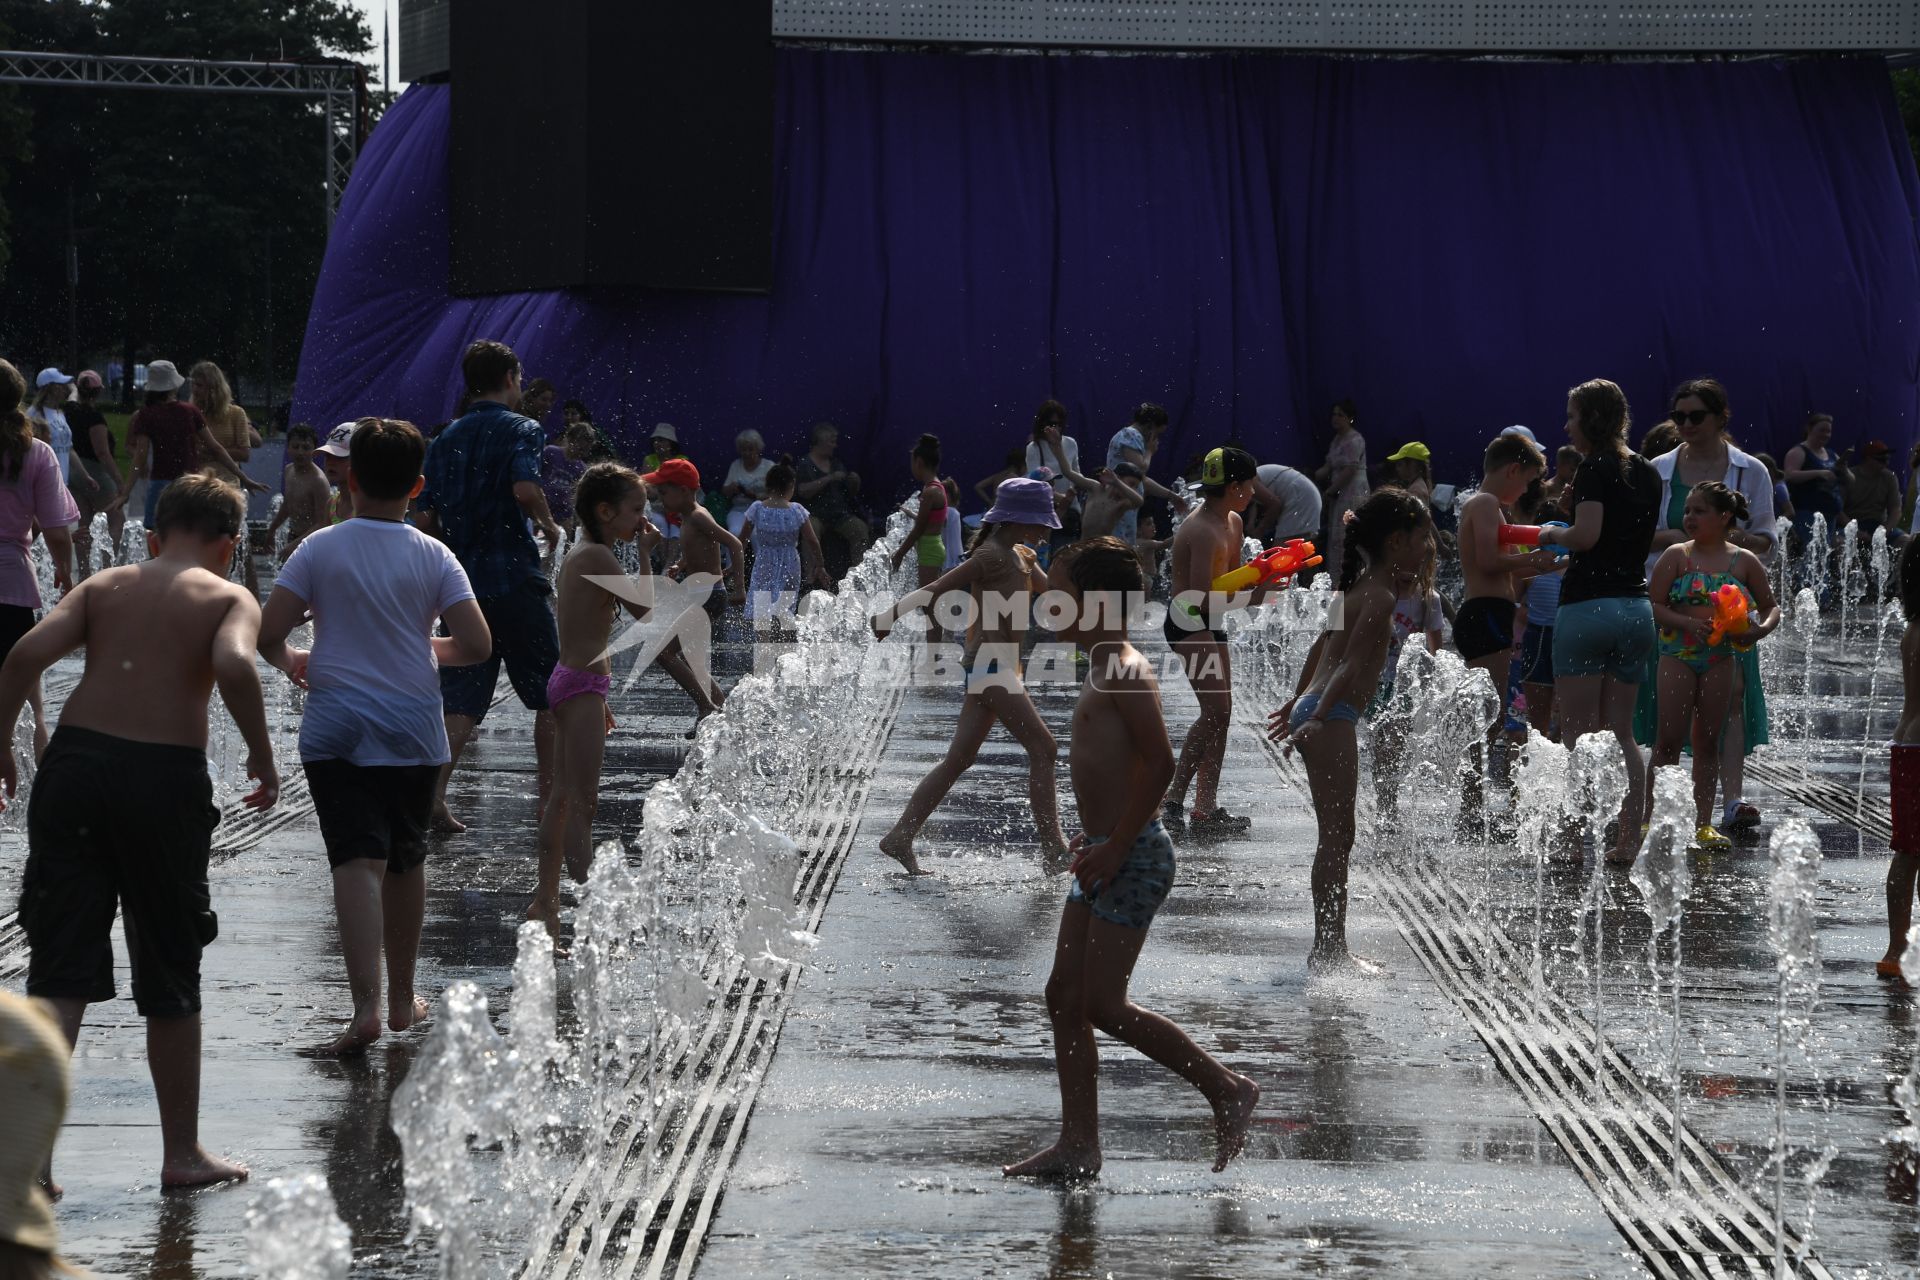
<point>427,564</point>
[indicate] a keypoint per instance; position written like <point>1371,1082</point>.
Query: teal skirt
<point>1753,701</point>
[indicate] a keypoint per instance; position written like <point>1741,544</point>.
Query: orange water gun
<point>1731,613</point>
<point>1274,566</point>
<point>1525,535</point>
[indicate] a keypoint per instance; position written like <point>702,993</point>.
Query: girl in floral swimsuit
<point>1696,677</point>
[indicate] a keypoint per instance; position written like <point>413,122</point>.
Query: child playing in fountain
<point>701,538</point>
<point>1210,542</point>
<point>1903,776</point>
<point>122,807</point>
<point>927,538</point>
<point>1696,678</point>
<point>372,739</point>
<point>304,490</point>
<point>1002,575</point>
<point>1121,762</point>
<point>333,458</point>
<point>784,544</point>
<point>611,506</point>
<point>1389,537</point>
<point>1483,630</point>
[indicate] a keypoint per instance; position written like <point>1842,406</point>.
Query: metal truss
<point>338,85</point>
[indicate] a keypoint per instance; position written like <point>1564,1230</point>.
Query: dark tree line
<point>197,219</point>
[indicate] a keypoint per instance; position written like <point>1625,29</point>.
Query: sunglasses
<point>1681,417</point>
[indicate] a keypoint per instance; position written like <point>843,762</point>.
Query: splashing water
<point>1853,577</point>
<point>1806,626</point>
<point>1597,783</point>
<point>293,1232</point>
<point>1793,933</point>
<point>1664,877</point>
<point>702,899</point>
<point>1543,780</point>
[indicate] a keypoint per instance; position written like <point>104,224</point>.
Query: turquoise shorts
<point>1612,636</point>
<point>1134,895</point>
<point>1308,703</point>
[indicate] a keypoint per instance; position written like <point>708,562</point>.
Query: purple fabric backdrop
<point>1242,238</point>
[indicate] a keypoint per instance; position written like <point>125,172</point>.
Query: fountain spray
<point>1793,933</point>
<point>1663,875</point>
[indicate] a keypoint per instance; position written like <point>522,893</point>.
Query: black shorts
<point>1177,634</point>
<point>15,621</point>
<point>373,811</point>
<point>524,638</point>
<point>118,823</point>
<point>1484,625</point>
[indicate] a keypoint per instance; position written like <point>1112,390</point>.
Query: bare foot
<point>198,1169</point>
<point>1230,1119</point>
<point>1338,961</point>
<point>901,851</point>
<point>547,913</point>
<point>579,871</point>
<point>408,1016</point>
<point>444,823</point>
<point>1059,1162</point>
<point>360,1033</point>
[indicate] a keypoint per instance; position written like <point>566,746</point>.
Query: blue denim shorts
<point>1612,636</point>
<point>1134,895</point>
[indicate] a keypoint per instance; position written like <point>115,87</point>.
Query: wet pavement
<point>915,1058</point>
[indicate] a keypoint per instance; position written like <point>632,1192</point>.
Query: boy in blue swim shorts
<point>1121,763</point>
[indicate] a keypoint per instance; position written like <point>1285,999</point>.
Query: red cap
<point>680,471</point>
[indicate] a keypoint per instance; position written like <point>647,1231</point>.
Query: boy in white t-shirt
<point>373,739</point>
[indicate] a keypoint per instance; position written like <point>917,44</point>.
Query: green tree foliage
<point>183,204</point>
<point>1906,91</point>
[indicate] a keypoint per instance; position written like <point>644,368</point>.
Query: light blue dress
<point>775,586</point>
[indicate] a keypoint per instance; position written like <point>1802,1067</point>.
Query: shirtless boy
<point>1483,629</point>
<point>1001,575</point>
<point>304,490</point>
<point>1121,761</point>
<point>1207,545</point>
<point>122,807</point>
<point>676,486</point>
<point>1110,493</point>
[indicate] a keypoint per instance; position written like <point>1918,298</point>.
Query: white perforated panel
<point>1531,26</point>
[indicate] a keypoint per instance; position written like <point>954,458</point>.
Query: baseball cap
<point>1876,449</point>
<point>676,471</point>
<point>49,376</point>
<point>1127,471</point>
<point>88,378</point>
<point>1413,450</point>
<point>1225,465</point>
<point>1517,430</point>
<point>339,441</point>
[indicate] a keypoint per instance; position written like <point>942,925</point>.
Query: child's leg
<point>1016,711</point>
<point>673,661</point>
<point>1332,758</point>
<point>1499,668</point>
<point>71,1014</point>
<point>357,906</point>
<point>403,901</point>
<point>1616,708</point>
<point>1901,874</point>
<point>1709,715</point>
<point>1075,1058</point>
<point>584,733</point>
<point>41,733</point>
<point>173,1059</point>
<point>1733,747</point>
<point>968,733</point>
<point>1678,691</point>
<point>1206,745</point>
<point>550,844</point>
<point>1540,708</point>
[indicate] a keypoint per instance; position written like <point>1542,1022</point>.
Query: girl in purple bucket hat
<point>998,581</point>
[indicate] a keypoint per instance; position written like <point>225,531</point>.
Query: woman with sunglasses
<point>1700,412</point>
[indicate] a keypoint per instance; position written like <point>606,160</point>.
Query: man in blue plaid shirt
<point>482,487</point>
